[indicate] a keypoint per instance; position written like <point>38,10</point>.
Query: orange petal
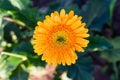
<point>62,13</point>
<point>78,48</point>
<point>71,21</point>
<point>71,14</point>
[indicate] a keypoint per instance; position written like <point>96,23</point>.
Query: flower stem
<point>14,55</point>
<point>116,70</point>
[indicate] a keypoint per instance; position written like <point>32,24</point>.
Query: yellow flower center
<point>60,38</point>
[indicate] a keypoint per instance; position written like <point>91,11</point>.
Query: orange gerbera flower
<point>58,36</point>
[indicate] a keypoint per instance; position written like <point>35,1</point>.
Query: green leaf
<point>98,43</point>
<point>27,33</point>
<point>99,21</point>
<point>1,29</point>
<point>8,63</point>
<point>82,69</point>
<point>26,49</point>
<point>95,10</point>
<point>20,73</point>
<point>35,60</point>
<point>2,25</point>
<point>19,11</point>
<point>3,4</point>
<point>29,19</point>
<point>112,5</point>
<point>59,4</point>
<point>113,55</point>
<point>14,4</point>
<point>1,20</point>
<point>115,42</point>
<point>20,4</point>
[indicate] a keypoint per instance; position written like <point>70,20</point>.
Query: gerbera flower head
<point>59,36</point>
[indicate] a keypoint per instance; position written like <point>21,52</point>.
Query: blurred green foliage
<point>18,20</point>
